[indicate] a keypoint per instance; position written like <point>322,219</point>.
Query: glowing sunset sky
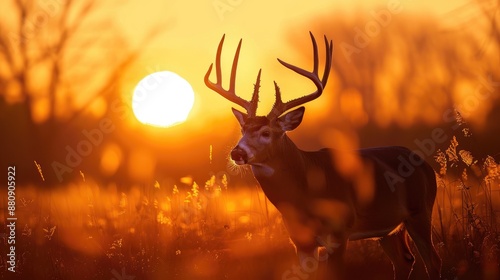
<point>191,31</point>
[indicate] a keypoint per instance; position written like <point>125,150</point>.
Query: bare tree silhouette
<point>56,57</point>
<point>411,69</point>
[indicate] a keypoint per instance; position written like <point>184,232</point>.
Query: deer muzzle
<point>239,155</point>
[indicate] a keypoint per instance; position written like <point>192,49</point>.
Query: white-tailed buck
<point>322,207</point>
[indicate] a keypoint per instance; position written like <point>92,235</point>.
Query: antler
<point>250,106</point>
<point>279,107</point>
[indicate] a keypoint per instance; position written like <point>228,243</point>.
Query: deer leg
<point>419,229</point>
<point>335,265</point>
<point>396,248</point>
<point>309,263</point>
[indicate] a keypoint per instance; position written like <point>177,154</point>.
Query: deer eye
<point>266,134</point>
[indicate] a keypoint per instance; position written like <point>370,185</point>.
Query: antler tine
<point>280,107</point>
<point>328,65</point>
<point>315,54</point>
<point>255,96</point>
<point>234,67</point>
<point>230,94</point>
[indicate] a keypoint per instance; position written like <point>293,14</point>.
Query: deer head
<point>263,134</point>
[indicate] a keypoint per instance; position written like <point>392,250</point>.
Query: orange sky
<point>192,30</point>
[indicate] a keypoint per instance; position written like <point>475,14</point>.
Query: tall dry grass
<point>184,230</point>
<point>466,215</point>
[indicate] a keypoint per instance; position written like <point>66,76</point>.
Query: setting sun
<point>162,99</point>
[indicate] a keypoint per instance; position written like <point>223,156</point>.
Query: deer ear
<point>292,119</point>
<point>240,116</point>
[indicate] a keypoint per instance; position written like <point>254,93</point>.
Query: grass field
<point>216,230</point>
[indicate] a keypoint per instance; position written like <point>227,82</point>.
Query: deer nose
<point>239,155</point>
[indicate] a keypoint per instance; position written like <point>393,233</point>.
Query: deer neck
<point>282,175</point>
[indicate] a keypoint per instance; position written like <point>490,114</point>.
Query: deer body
<point>297,195</point>
<point>322,207</point>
